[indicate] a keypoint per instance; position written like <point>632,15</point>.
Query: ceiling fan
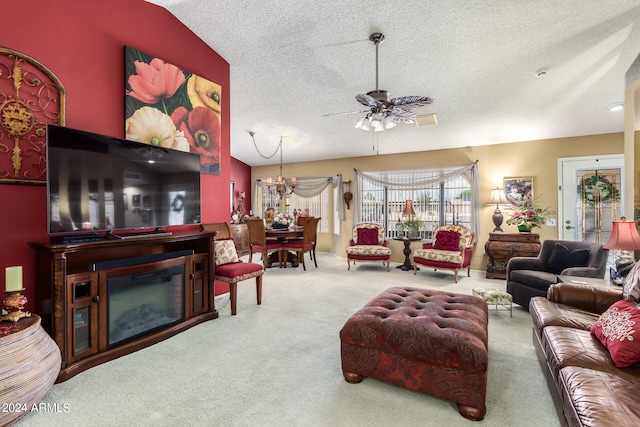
<point>384,113</point>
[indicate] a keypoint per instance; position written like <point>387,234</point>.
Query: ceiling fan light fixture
<point>363,123</point>
<point>376,120</point>
<point>389,123</point>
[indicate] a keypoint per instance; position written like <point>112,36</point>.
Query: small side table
<point>30,362</point>
<point>407,251</point>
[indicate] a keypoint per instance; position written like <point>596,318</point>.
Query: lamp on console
<point>497,198</point>
<point>625,238</point>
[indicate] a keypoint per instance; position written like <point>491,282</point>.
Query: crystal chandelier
<point>281,185</point>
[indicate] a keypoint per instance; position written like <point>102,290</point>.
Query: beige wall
<point>538,159</point>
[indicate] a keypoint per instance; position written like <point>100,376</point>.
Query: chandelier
<point>281,185</point>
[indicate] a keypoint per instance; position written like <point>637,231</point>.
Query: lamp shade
<point>408,208</point>
<point>624,236</point>
<point>497,197</point>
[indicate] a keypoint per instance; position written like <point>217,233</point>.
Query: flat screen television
<point>98,183</point>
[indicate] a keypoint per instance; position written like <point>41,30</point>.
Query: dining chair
<point>258,241</point>
<point>229,268</point>
<point>307,243</point>
<point>221,228</point>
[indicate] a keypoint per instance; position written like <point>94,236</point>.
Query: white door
<point>589,197</point>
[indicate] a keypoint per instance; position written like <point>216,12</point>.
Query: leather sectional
<point>587,388</point>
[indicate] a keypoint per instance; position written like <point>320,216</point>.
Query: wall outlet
<point>551,222</point>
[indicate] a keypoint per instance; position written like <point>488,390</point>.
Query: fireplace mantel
<point>72,297</point>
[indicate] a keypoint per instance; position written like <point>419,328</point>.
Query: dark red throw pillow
<point>368,236</point>
<point>447,240</point>
<point>616,330</point>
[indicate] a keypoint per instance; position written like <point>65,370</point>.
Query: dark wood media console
<point>72,293</point>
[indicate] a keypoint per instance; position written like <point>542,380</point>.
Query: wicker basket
<point>29,365</point>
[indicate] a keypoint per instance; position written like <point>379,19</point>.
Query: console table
<point>501,247</point>
<point>72,294</point>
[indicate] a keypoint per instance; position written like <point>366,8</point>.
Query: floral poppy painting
<point>172,108</point>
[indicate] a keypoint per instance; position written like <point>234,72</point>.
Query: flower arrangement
<point>280,220</point>
<point>528,216</point>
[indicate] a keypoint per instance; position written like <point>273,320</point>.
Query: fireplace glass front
<point>144,302</point>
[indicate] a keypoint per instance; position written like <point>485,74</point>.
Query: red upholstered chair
<point>258,241</point>
<point>368,243</point>
<point>230,269</point>
<point>451,249</point>
<point>307,243</point>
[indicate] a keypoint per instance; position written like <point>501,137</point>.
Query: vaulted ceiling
<point>294,63</point>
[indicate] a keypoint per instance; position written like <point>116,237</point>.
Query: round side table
<point>407,251</point>
<point>29,365</point>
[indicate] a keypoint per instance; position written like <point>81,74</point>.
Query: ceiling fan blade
<point>401,116</point>
<point>346,112</point>
<point>368,100</point>
<point>418,101</point>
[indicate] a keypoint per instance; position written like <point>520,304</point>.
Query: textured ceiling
<point>292,62</point>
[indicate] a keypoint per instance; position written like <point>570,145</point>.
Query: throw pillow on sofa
<point>562,257</point>
<point>616,329</point>
<point>367,236</point>
<point>225,251</point>
<point>447,240</point>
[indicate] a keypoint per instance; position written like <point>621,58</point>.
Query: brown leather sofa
<point>587,388</point>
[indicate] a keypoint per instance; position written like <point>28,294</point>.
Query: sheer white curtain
<point>419,179</point>
<point>307,187</point>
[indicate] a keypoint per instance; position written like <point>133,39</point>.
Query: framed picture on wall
<point>519,190</point>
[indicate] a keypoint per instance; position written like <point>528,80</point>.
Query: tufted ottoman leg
<point>473,414</point>
<point>352,378</point>
<point>429,341</point>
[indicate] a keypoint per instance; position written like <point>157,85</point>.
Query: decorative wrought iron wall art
<point>30,97</point>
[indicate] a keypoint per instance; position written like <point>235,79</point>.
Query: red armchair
<point>368,243</point>
<point>451,249</point>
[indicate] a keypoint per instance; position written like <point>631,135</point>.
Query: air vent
<point>132,176</point>
<point>426,120</point>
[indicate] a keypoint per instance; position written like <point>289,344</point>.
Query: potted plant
<point>529,216</point>
<point>412,225</point>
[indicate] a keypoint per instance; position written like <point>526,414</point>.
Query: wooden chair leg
<point>315,261</point>
<point>250,255</point>
<point>348,264</point>
<point>469,271</point>
<point>455,272</point>
<point>301,256</point>
<point>233,291</point>
<point>259,289</point>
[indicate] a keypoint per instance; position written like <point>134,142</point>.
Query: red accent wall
<point>82,43</point>
<point>241,176</point>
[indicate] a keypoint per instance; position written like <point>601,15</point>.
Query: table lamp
<point>625,238</point>
<point>408,209</point>
<point>497,198</point>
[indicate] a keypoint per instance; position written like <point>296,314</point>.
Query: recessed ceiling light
<point>616,106</point>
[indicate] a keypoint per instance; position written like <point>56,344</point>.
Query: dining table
<point>283,234</point>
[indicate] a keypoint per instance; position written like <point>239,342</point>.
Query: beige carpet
<point>278,364</point>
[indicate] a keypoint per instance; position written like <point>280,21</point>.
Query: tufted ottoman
<point>430,341</point>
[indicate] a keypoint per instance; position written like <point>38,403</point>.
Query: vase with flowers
<point>280,220</point>
<point>529,216</point>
